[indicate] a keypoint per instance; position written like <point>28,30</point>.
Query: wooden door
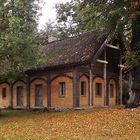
<point>38,95</point>
<point>20,96</point>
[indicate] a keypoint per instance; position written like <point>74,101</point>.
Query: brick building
<point>79,71</point>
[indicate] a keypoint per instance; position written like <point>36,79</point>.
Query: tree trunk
<point>134,88</point>
<point>137,85</point>
<point>130,102</point>
<point>134,75</point>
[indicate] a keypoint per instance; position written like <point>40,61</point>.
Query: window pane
<point>19,96</point>
<point>62,88</point>
<point>3,93</point>
<point>98,89</point>
<point>111,90</point>
<point>39,95</point>
<point>83,88</point>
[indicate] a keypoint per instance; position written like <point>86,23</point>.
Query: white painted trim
<point>102,61</point>
<point>112,46</point>
<point>121,66</point>
<point>90,88</point>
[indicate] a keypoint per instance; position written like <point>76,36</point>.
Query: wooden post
<point>107,92</point>
<point>11,96</point>
<point>48,91</point>
<point>121,66</point>
<point>76,96</point>
<point>121,86</point>
<point>90,88</point>
<point>28,93</point>
<point>105,80</point>
<point>118,92</point>
<point>120,80</point>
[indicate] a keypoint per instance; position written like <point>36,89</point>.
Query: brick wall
<point>5,102</point>
<point>19,83</point>
<point>32,92</point>
<point>56,99</point>
<point>98,101</point>
<point>84,99</point>
<point>112,100</point>
<point>67,100</point>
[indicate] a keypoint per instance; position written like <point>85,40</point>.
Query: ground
<point>91,124</point>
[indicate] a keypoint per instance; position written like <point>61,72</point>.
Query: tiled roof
<point>73,50</point>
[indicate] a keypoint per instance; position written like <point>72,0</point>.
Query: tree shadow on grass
<point>17,113</point>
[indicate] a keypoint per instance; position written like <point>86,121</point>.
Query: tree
<point>68,23</point>
<point>49,30</point>
<point>19,39</point>
<point>122,19</point>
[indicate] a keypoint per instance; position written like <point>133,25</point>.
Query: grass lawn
<point>93,124</point>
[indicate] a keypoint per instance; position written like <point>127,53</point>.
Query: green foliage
<point>119,17</point>
<point>131,60</point>
<point>19,39</point>
<point>50,30</point>
<point>66,23</point>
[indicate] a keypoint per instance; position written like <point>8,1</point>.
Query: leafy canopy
<point>19,39</point>
<point>120,17</point>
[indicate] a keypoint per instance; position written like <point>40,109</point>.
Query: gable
<point>73,50</point>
